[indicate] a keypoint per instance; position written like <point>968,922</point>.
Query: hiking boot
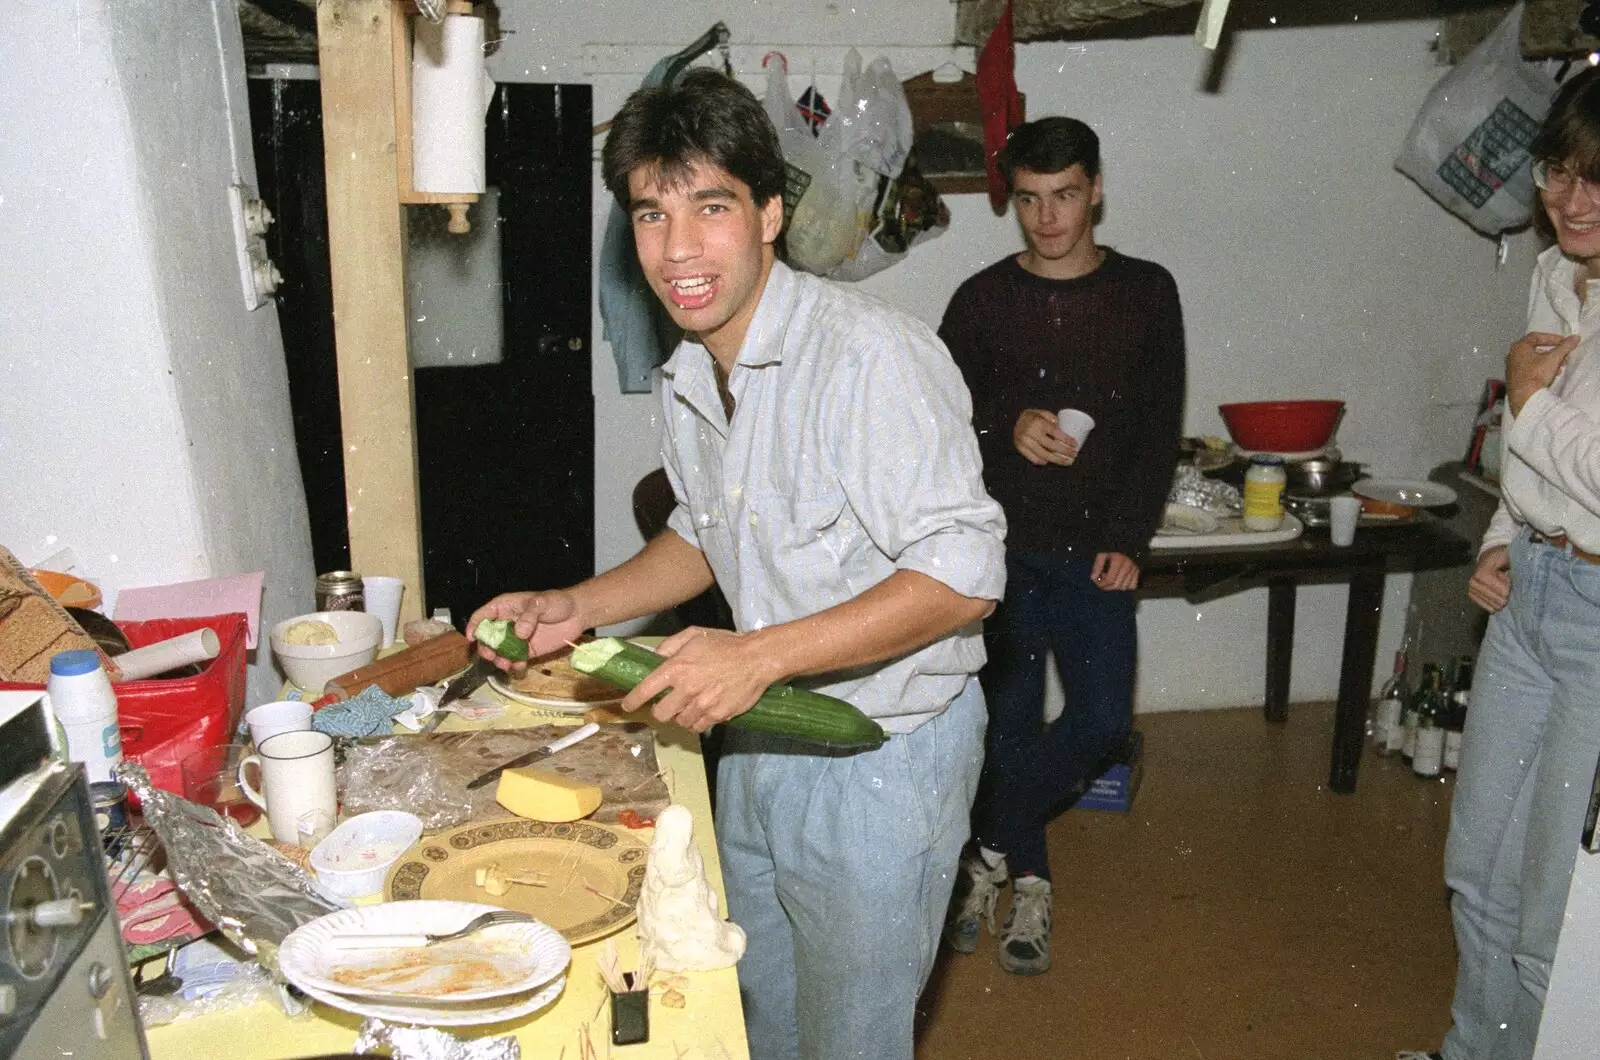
<point>977,892</point>
<point>1025,940</point>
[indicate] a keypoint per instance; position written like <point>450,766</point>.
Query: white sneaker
<point>977,893</point>
<point>1025,940</point>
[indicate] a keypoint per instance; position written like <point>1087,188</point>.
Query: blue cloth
<point>633,320</point>
<point>1527,764</point>
<point>1032,770</point>
<point>839,868</point>
<point>369,713</point>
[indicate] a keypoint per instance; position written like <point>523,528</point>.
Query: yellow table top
<point>710,1026</point>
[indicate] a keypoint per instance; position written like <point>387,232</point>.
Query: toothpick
<point>572,644</point>
<point>602,894</point>
<point>660,774</point>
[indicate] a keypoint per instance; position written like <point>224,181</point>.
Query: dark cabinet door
<point>505,450</point>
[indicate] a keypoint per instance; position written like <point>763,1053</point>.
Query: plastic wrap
<point>250,891</point>
<point>401,775</point>
<point>426,1043</point>
<point>1191,488</point>
<point>251,985</point>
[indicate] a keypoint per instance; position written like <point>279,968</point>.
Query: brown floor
<point>1242,911</point>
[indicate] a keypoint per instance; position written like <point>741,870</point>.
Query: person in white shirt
<point>1532,740</point>
<point>820,447</point>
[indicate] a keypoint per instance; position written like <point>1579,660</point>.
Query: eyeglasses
<point>1556,179</point>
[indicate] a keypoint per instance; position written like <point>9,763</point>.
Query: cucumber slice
<point>500,636</point>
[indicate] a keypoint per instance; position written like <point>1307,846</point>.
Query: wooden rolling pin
<point>404,671</point>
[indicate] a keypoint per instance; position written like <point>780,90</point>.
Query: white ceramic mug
<point>1075,425</point>
<point>1343,513</point>
<point>269,719</point>
<point>297,771</point>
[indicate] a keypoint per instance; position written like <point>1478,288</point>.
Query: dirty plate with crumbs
<point>494,962</point>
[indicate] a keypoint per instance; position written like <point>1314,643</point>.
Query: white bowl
<point>353,861</point>
<point>311,666</point>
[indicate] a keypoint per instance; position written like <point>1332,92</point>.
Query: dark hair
<point>1051,145</point>
<point>705,118</point>
<point>1570,134</point>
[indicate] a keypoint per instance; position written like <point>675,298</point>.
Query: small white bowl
<point>311,666</point>
<point>353,861</point>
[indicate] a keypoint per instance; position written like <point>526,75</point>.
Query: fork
<point>477,923</point>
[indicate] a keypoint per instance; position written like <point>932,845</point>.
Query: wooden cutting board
<point>619,758</point>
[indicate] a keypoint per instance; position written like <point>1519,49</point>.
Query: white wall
<point>1308,267</point>
<point>145,418</point>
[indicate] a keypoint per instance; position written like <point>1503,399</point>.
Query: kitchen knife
<point>464,684</point>
<point>583,732</point>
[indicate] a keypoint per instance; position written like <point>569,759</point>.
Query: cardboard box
<point>1114,789</point>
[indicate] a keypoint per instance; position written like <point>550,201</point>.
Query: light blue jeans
<point>839,868</point>
<point>1527,766</point>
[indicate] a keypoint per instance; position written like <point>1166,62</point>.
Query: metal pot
<point>1322,474</point>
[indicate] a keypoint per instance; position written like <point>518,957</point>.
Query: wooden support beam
<point>366,248</point>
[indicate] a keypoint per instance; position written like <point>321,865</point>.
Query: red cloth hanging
<point>1002,106</point>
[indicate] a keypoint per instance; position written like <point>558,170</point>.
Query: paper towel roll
<point>450,93</point>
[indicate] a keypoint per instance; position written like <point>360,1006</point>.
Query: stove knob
<point>62,912</point>
<point>100,980</point>
<point>59,838</point>
<point>8,1000</point>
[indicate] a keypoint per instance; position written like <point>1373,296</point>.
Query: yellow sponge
<point>542,796</point>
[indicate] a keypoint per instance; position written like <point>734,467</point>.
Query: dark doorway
<point>505,450</point>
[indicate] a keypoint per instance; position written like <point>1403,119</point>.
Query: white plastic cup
<point>83,702</point>
<point>1343,514</point>
<point>297,773</point>
<point>269,719</point>
<point>1075,425</point>
<point>383,600</point>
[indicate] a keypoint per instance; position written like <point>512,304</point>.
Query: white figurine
<point>678,919</point>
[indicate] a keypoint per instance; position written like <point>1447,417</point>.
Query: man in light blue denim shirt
<point>820,447</point>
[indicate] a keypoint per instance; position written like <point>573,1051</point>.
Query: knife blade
<point>583,732</point>
<point>467,682</point>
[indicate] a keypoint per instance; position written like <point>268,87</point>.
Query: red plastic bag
<point>164,721</point>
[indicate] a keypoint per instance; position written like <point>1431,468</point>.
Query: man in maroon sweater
<point>1065,324</point>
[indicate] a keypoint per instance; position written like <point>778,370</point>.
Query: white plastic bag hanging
<point>1468,147</point>
<point>820,194</point>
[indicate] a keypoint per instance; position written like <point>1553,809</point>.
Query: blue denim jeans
<point>839,868</point>
<point>1527,764</point>
<point>1033,771</point>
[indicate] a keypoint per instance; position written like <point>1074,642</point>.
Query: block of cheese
<point>540,795</point>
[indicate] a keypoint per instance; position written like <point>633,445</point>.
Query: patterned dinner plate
<point>588,876</point>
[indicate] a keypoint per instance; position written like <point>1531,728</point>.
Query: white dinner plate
<point>492,963</point>
<point>466,1014</point>
<point>1413,492</point>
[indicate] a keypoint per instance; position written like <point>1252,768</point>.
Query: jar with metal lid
<point>1263,493</point>
<point>340,590</point>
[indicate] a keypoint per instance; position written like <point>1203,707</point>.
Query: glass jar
<point>1263,493</point>
<point>341,590</point>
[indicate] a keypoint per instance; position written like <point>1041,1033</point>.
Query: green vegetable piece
<point>499,635</point>
<point>782,710</point>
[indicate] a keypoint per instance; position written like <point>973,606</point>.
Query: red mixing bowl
<point>1282,426</point>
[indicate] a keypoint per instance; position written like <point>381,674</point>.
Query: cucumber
<point>500,636</point>
<point>782,710</point>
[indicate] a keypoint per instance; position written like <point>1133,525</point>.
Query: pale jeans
<point>839,868</point>
<point>1527,766</point>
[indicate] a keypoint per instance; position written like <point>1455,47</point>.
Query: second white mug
<point>297,773</point>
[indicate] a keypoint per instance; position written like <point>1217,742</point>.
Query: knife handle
<point>582,732</point>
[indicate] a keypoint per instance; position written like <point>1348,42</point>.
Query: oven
<point>64,983</point>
